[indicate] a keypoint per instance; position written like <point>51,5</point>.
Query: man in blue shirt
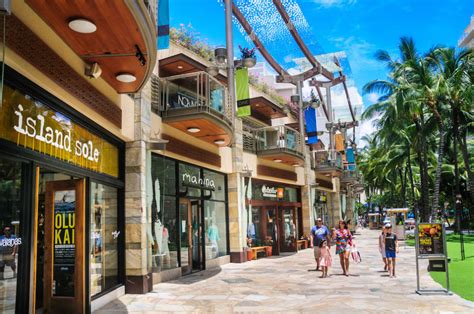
<point>319,232</point>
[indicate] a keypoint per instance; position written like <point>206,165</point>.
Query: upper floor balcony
<point>118,36</point>
<point>280,144</point>
<point>331,167</point>
<point>197,103</point>
<point>350,176</point>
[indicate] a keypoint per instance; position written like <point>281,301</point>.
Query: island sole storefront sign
<point>33,125</point>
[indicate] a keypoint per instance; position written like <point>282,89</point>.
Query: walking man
<point>391,248</point>
<point>319,232</point>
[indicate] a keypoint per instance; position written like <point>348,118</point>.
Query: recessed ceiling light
<point>296,164</point>
<point>277,160</point>
<point>219,142</point>
<point>126,77</point>
<point>194,130</point>
<point>82,26</point>
<point>180,67</point>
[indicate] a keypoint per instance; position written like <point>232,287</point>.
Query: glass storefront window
<point>217,182</point>
<point>189,176</point>
<point>11,205</point>
<point>215,229</point>
<point>104,238</point>
<point>165,235</point>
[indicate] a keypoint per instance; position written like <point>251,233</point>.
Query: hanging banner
<point>311,127</point>
<point>339,139</point>
<point>163,24</point>
<point>242,92</point>
<point>350,156</point>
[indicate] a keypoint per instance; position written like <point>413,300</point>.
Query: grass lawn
<point>461,273</point>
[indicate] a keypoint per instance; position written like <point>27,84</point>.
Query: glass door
<point>62,255</point>
<point>197,255</point>
<point>185,231</point>
<point>288,229</point>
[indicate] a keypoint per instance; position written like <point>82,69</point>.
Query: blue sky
<point>360,27</point>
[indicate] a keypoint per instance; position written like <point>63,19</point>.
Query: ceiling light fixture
<point>82,26</point>
<point>277,160</point>
<point>126,77</point>
<point>296,164</point>
<point>194,130</point>
<point>180,67</point>
<point>219,142</point>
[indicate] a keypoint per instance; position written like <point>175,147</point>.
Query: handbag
<point>355,254</point>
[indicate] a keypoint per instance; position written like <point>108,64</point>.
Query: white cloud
<point>337,3</point>
<point>359,51</point>
<point>366,127</point>
<point>373,97</point>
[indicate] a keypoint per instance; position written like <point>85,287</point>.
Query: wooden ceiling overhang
<point>124,30</point>
<point>183,64</point>
<point>212,125</point>
<point>328,170</point>
<point>264,110</point>
<point>282,155</point>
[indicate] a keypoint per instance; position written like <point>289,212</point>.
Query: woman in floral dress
<point>343,239</point>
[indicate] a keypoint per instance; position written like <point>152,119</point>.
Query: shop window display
<point>215,229</point>
<point>104,238</point>
<point>11,205</point>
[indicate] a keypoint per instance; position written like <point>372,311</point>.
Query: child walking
<point>326,258</point>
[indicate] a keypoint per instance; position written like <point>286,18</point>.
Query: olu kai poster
<point>430,238</point>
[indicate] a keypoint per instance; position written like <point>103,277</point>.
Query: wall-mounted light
<point>82,26</point>
<point>126,77</point>
<point>220,54</point>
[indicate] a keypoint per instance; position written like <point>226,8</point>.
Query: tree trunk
<point>422,159</point>
<point>437,182</point>
<point>410,173</point>
<point>465,156</point>
<point>402,192</point>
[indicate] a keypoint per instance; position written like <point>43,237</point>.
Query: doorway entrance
<point>60,244</point>
<point>192,241</point>
<point>288,227</point>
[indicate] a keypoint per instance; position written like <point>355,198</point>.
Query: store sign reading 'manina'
<point>31,124</point>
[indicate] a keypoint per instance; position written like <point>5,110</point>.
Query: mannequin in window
<point>213,235</point>
<point>164,245</point>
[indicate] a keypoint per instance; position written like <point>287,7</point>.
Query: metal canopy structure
<point>273,22</point>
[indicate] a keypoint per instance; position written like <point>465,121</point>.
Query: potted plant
<point>268,246</point>
<point>248,57</point>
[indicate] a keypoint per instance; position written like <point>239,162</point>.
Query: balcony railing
<point>152,6</point>
<point>280,138</point>
<point>198,91</point>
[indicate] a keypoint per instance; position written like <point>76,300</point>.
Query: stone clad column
<point>236,201</point>
<point>137,219</point>
<point>306,202</point>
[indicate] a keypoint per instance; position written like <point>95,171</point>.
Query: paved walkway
<point>286,284</point>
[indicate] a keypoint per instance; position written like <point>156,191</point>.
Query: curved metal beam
<point>346,91</point>
<point>296,36</point>
<point>248,29</point>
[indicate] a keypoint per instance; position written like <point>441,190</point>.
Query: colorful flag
<point>339,139</point>
<point>311,128</point>
<point>242,91</point>
<point>163,24</point>
<point>350,156</point>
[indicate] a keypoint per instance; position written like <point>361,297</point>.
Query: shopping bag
<point>355,254</point>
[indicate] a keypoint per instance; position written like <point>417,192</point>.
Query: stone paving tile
<point>288,284</point>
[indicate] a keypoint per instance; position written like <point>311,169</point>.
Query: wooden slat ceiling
<point>182,64</point>
<point>209,131</point>
<point>264,110</point>
<point>117,33</point>
<point>285,158</point>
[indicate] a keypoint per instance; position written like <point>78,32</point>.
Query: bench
<point>301,244</point>
<point>257,249</point>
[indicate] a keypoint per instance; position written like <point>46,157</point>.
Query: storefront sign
<point>197,182</point>
<point>33,125</point>
<point>180,100</point>
<point>430,239</point>
<point>272,192</point>
<point>64,242</point>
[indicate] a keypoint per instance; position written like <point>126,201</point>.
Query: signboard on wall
<point>33,125</point>
<point>430,239</point>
